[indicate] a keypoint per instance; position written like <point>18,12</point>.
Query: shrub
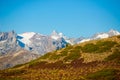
<point>37,64</point>
<point>18,65</point>
<point>55,56</point>
<point>78,47</point>
<point>68,48</point>
<point>115,55</point>
<point>13,72</point>
<point>118,36</point>
<point>99,47</point>
<point>72,56</point>
<point>89,48</point>
<point>105,74</point>
<point>17,78</point>
<point>104,46</point>
<point>46,56</point>
<point>63,53</point>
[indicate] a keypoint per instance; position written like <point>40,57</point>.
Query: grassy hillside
<point>93,60</point>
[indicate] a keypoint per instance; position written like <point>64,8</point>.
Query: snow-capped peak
<point>113,32</point>
<point>101,35</point>
<point>55,35</point>
<point>84,40</point>
<point>60,34</point>
<point>54,32</point>
<point>26,37</point>
<point>106,34</point>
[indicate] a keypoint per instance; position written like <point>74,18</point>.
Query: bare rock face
<point>19,57</point>
<point>11,53</point>
<point>8,42</point>
<point>41,44</point>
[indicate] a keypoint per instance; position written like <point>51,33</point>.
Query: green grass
<point>72,56</point>
<point>63,53</point>
<point>78,47</point>
<point>55,56</point>
<point>68,48</point>
<point>115,55</point>
<point>11,79</point>
<point>105,74</point>
<point>46,56</point>
<point>99,47</point>
<point>37,63</point>
<point>90,48</point>
<point>18,65</point>
<point>105,46</point>
<point>12,72</point>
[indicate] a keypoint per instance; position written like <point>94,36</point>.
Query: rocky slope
<point>41,44</point>
<point>11,53</point>
<point>8,42</point>
<point>17,57</point>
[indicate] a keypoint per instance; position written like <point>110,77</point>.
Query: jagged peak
<point>113,32</point>
<point>27,34</point>
<point>54,32</point>
<point>55,35</point>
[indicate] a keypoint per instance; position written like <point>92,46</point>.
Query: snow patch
<point>55,37</point>
<point>26,37</point>
<point>104,35</point>
<point>84,40</point>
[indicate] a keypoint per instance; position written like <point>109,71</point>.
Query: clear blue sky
<point>74,18</point>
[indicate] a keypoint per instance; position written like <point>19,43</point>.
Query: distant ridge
<point>33,45</point>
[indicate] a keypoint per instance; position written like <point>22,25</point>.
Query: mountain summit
<point>41,44</point>
<point>106,34</point>
<point>55,35</point>
<point>113,32</point>
<point>102,35</point>
<point>26,37</point>
<point>8,42</point>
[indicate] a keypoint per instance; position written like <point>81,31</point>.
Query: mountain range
<point>92,60</point>
<point>21,48</point>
